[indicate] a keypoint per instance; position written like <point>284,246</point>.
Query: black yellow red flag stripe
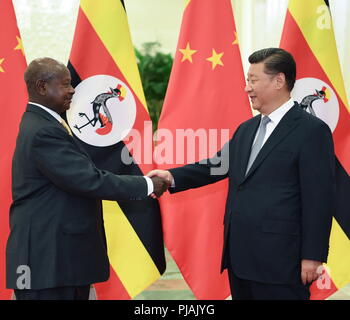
<point>308,35</point>
<point>108,105</point>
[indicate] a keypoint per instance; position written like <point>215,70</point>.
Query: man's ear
<point>280,80</point>
<point>41,87</point>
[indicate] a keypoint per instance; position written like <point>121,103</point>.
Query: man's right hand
<point>161,174</point>
<point>166,175</point>
<point>160,185</point>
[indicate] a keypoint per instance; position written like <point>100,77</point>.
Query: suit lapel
<point>46,115</point>
<point>287,124</point>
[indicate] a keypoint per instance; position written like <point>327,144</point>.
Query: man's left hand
<point>160,185</point>
<point>310,270</point>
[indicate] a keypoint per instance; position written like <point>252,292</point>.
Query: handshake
<point>162,180</point>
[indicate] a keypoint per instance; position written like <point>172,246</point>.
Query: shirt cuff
<point>149,185</point>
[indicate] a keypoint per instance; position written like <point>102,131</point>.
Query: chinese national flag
<point>205,94</point>
<point>104,74</point>
<point>308,36</point>
<point>13,96</point>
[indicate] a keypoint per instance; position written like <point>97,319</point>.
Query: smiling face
<point>59,92</point>
<point>49,84</point>
<point>262,88</point>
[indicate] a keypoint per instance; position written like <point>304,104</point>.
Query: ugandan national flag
<point>308,36</point>
<point>13,96</point>
<point>110,117</point>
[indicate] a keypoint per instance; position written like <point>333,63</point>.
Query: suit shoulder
<point>313,122</point>
<point>314,129</point>
<point>35,129</point>
<point>32,122</point>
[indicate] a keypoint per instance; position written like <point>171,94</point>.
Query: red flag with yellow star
<point>308,35</point>
<point>205,101</point>
<point>13,97</point>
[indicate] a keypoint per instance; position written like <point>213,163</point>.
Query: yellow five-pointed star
<point>215,59</point>
<point>1,61</point>
<point>236,39</point>
<point>19,45</point>
<point>187,53</point>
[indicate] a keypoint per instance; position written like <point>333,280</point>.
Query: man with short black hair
<point>56,227</point>
<point>281,188</point>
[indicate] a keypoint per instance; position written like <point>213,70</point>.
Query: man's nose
<point>248,88</point>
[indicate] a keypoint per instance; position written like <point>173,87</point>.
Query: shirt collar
<point>53,113</point>
<point>279,113</point>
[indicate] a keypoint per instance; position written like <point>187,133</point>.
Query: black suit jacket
<point>281,211</point>
<point>56,225</point>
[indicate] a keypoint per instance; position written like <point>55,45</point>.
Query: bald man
<point>57,246</point>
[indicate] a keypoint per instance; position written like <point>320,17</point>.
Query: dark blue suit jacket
<point>56,219</point>
<point>281,211</point>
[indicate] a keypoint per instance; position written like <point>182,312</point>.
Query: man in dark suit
<point>281,188</point>
<point>57,244</point>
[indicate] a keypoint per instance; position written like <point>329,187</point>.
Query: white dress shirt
<point>59,119</point>
<point>275,118</point>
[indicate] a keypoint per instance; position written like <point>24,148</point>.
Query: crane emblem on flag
<point>105,120</point>
<point>306,102</point>
<point>318,98</point>
<point>103,110</point>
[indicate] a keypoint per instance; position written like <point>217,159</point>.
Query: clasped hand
<point>162,180</point>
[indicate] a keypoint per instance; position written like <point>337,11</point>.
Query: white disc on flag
<point>319,99</point>
<point>103,111</point>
